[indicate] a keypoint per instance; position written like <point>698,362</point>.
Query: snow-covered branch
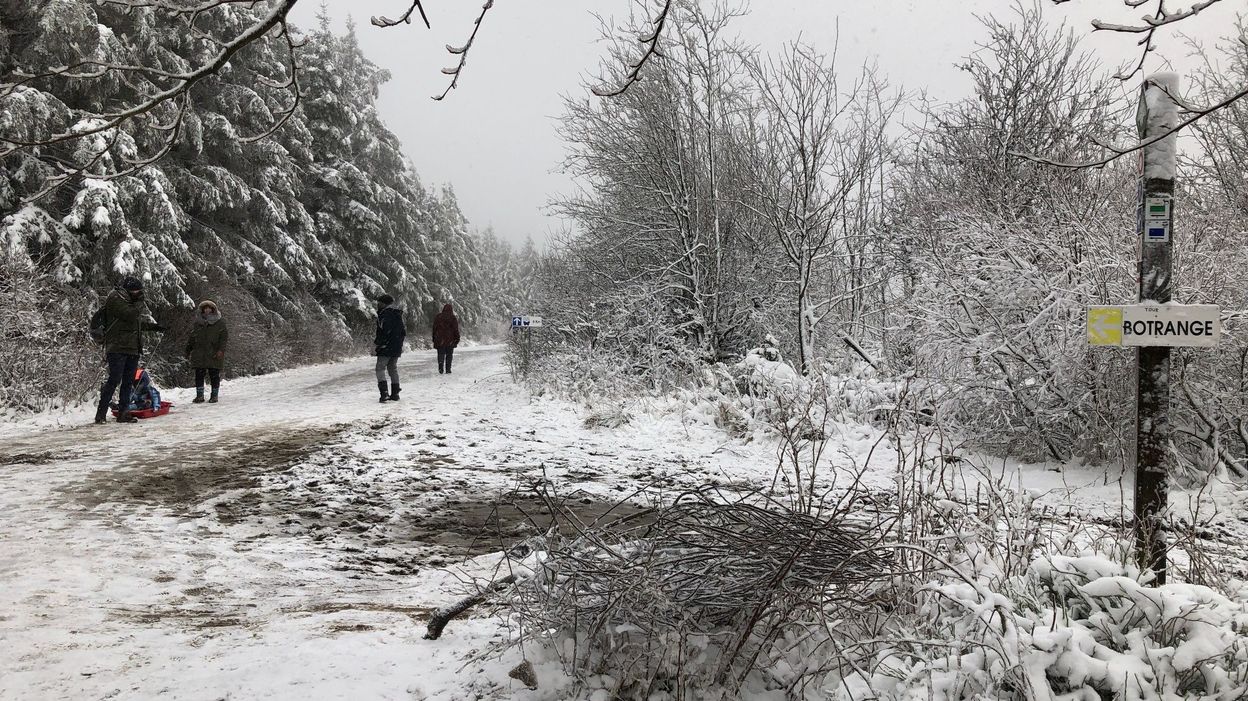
<point>162,91</point>
<point>1147,26</point>
<point>405,18</point>
<point>1113,152</point>
<point>462,52</point>
<point>650,49</point>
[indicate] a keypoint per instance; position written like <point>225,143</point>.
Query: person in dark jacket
<point>205,349</point>
<point>391,334</point>
<point>445,337</point>
<point>125,315</point>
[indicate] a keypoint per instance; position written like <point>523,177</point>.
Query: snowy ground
<point>288,542</point>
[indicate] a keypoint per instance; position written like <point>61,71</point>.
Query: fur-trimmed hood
<point>207,318</point>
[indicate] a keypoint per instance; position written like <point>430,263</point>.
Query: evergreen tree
<point>302,227</point>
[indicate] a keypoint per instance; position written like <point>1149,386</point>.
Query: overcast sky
<point>493,139</point>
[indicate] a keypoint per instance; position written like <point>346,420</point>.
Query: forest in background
<point>293,230</point>
<point>878,297</point>
<point>784,204</point>
<point>728,202</point>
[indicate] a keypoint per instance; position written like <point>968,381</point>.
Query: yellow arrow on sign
<point>1105,326</point>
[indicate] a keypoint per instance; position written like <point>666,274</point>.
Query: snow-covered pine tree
<point>296,230</point>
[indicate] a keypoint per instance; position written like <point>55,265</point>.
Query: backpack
<point>98,325</point>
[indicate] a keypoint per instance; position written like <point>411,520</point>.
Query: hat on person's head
<point>131,284</point>
<point>385,299</point>
<point>207,303</point>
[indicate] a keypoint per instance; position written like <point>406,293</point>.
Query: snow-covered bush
<point>624,346</point>
<point>1070,628</point>
<point>763,392</point>
<point>47,357</point>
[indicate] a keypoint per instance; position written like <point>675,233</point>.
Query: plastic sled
<point>149,413</point>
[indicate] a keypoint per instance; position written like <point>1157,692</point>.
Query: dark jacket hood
<point>448,309</point>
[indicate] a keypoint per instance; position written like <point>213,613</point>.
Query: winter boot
<point>101,413</point>
<point>199,396</point>
<point>385,395</point>
<point>394,391</point>
<point>213,398</point>
<point>124,417</point>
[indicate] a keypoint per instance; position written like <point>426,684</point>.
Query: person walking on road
<point>391,333</point>
<point>445,337</point>
<point>125,319</point>
<point>205,349</point>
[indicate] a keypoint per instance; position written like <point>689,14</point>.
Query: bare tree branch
<point>1148,26</point>
<point>651,43</point>
<point>462,52</point>
<point>384,21</point>
<point>1116,152</point>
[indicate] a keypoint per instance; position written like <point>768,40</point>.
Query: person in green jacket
<point>125,320</point>
<point>206,349</point>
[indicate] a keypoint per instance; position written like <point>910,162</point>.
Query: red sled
<point>149,413</point>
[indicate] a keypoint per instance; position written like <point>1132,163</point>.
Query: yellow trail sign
<point>1105,326</point>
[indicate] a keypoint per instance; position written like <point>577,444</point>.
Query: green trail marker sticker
<point>1157,209</point>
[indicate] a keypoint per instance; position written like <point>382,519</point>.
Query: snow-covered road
<point>287,542</point>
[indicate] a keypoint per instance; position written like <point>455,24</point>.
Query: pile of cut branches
<point>698,592</point>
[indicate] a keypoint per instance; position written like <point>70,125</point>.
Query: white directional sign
<point>534,322</point>
<point>1190,325</point>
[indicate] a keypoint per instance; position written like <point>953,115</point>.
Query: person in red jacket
<point>445,337</point>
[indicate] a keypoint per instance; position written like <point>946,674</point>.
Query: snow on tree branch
<point>162,91</point>
<point>462,52</point>
<point>1147,26</point>
<point>650,42</point>
<point>153,91</point>
<point>406,18</point>
<point>1114,152</point>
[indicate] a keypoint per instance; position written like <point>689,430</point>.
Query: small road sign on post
<point>1155,325</point>
<point>524,341</point>
<point>1171,325</point>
